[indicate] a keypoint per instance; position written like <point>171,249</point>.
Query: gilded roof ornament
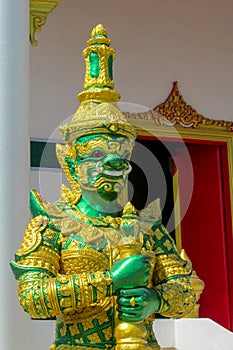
<point>39,11</point>
<point>175,110</point>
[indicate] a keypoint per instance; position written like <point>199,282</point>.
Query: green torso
<point>73,244</point>
<point>92,245</point>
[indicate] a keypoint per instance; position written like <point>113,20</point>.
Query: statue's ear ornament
<point>63,152</point>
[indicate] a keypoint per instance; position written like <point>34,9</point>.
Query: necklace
<point>104,221</point>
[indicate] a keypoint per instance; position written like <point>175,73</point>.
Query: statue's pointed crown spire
<point>98,82</point>
<point>98,112</point>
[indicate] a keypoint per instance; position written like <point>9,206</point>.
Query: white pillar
<point>14,163</point>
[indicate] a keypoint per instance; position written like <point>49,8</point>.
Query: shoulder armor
<point>32,236</point>
<point>37,205</point>
<point>152,211</point>
<point>150,216</point>
<point>19,269</point>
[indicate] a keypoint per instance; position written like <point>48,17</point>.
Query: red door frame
<point>220,148</point>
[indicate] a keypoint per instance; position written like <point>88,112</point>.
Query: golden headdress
<point>98,112</point>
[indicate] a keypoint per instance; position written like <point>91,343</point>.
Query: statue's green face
<point>103,164</point>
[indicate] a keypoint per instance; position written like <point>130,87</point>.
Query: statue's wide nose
<point>114,161</point>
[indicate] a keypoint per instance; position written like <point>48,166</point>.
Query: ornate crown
<point>98,112</point>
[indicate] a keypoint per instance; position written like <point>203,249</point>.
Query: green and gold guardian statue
<point>102,270</point>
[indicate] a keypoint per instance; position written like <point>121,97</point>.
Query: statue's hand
<point>134,305</point>
<point>131,272</point>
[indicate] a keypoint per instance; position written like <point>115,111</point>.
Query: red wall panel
<point>203,228</point>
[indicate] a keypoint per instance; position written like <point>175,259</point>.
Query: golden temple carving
<point>175,111</point>
<point>39,11</point>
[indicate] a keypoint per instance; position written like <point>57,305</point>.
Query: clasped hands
<point>130,277</point>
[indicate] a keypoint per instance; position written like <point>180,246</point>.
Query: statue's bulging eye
<point>97,154</point>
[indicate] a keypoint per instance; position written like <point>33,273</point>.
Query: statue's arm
<point>44,292</point>
<point>171,278</point>
<point>169,292</point>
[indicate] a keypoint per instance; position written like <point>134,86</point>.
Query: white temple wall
<point>157,42</point>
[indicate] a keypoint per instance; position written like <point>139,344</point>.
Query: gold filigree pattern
<point>223,124</point>
<point>175,110</point>
<point>51,209</point>
<point>71,347</point>
<point>177,298</point>
<point>29,300</point>
<point>52,297</point>
<point>39,11</point>
<point>119,147</point>
<point>32,236</point>
<point>151,115</point>
<point>69,196</point>
<point>86,295</point>
<point>91,234</point>
<point>97,221</point>
<point>103,79</point>
<point>43,258</point>
<point>197,284</point>
<point>83,260</point>
<point>93,119</point>
<point>45,297</point>
<point>75,347</point>
<point>170,266</point>
<point>103,116</point>
<point>98,82</point>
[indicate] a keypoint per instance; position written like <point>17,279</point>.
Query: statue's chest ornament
<point>87,248</point>
<point>99,221</point>
<point>92,244</point>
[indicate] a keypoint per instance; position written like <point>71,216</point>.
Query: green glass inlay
<point>97,87</point>
<point>110,60</point>
<point>100,35</point>
<point>94,64</point>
